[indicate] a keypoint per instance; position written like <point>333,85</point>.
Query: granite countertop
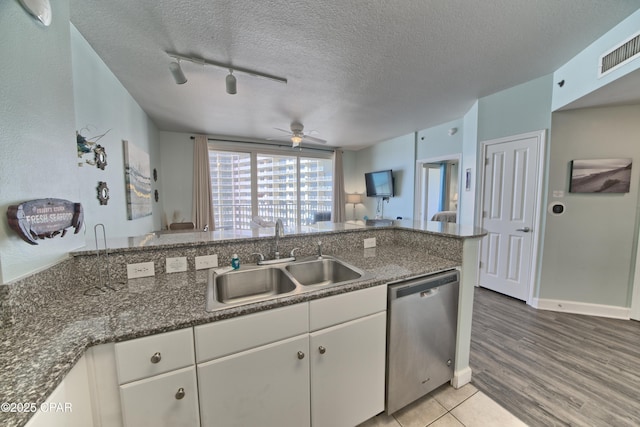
<point>169,239</point>
<point>40,344</point>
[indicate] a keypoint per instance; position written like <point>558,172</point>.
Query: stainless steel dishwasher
<point>421,336</point>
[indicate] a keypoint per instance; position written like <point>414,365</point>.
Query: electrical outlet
<point>206,261</point>
<point>141,269</point>
<point>370,243</point>
<point>176,265</point>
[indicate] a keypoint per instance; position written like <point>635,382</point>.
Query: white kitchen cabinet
<point>348,372</point>
<point>169,400</point>
<point>153,355</point>
<point>70,403</point>
<point>157,377</point>
<point>267,386</point>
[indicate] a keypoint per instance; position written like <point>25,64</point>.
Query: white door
<point>511,199</point>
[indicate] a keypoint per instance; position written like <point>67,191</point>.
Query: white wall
<point>580,74</point>
<point>101,104</point>
<point>468,211</point>
<point>436,142</point>
<point>37,131</point>
<point>397,154</point>
<point>176,175</point>
<point>55,84</point>
<point>588,251</point>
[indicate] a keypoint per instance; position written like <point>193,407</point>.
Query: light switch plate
<point>206,261</point>
<point>176,265</point>
<point>370,243</point>
<point>141,269</point>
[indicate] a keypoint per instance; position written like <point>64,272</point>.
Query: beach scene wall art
<point>600,176</point>
<point>137,177</point>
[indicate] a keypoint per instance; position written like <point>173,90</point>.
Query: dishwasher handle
<point>425,286</point>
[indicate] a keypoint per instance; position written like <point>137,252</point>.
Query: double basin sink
<point>259,283</point>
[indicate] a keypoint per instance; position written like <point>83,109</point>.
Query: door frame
<point>634,311</point>
<point>541,136</point>
<point>418,200</point>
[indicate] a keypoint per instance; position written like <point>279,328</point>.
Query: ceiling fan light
<point>176,72</point>
<point>230,81</point>
<point>296,139</point>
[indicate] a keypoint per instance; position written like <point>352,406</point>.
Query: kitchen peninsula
<point>52,318</point>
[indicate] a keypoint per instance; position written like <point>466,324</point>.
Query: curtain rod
<point>273,144</point>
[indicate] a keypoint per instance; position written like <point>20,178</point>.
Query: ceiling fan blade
<point>283,130</point>
<point>314,139</point>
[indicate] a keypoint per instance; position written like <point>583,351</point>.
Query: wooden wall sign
<point>44,218</point>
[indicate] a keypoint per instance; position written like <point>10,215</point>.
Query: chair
<point>321,216</point>
<point>182,226</point>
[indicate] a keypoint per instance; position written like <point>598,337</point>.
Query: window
<point>296,188</point>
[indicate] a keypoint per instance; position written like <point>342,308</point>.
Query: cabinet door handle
<point>322,350</point>
<point>300,355</point>
<point>180,394</point>
<point>156,357</point>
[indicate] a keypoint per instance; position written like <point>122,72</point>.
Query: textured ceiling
<point>358,71</point>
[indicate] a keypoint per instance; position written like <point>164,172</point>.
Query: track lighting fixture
<point>230,80</point>
<point>176,72</point>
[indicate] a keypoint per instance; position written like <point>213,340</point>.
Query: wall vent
<point>619,55</point>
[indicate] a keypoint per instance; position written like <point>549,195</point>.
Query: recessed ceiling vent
<point>619,55</point>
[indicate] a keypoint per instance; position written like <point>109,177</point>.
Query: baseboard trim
<point>461,377</point>
<point>611,311</point>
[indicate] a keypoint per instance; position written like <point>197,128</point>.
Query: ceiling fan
<point>297,135</point>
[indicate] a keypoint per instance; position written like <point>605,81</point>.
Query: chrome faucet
<point>277,259</point>
<point>279,229</point>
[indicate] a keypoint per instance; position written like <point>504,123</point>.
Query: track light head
<point>176,72</point>
<point>231,83</point>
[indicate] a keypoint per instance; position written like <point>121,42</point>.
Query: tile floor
<point>448,407</point>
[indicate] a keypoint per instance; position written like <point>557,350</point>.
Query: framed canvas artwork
<point>600,176</point>
<point>137,178</point>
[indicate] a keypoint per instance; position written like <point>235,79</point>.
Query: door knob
<point>524,230</point>
<point>180,393</point>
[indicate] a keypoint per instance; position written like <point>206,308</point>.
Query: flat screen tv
<point>379,184</point>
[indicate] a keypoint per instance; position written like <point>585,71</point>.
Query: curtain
<point>339,200</point>
<point>202,212</point>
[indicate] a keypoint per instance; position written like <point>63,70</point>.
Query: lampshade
<point>354,198</point>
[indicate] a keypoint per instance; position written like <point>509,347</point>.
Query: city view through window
<point>296,189</point>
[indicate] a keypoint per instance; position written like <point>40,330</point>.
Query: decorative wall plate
<point>40,9</point>
<point>100,156</point>
<point>103,193</point>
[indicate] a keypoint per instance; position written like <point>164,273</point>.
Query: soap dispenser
<point>235,262</point>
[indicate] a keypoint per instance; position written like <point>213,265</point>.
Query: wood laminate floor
<point>551,368</point>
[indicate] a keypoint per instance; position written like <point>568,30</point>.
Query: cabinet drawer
<point>156,354</point>
<point>242,333</point>
<point>341,308</point>
<point>169,400</point>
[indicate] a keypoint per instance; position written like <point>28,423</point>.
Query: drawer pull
<point>322,350</point>
<point>156,357</point>
<point>300,355</point>
<point>180,394</point>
